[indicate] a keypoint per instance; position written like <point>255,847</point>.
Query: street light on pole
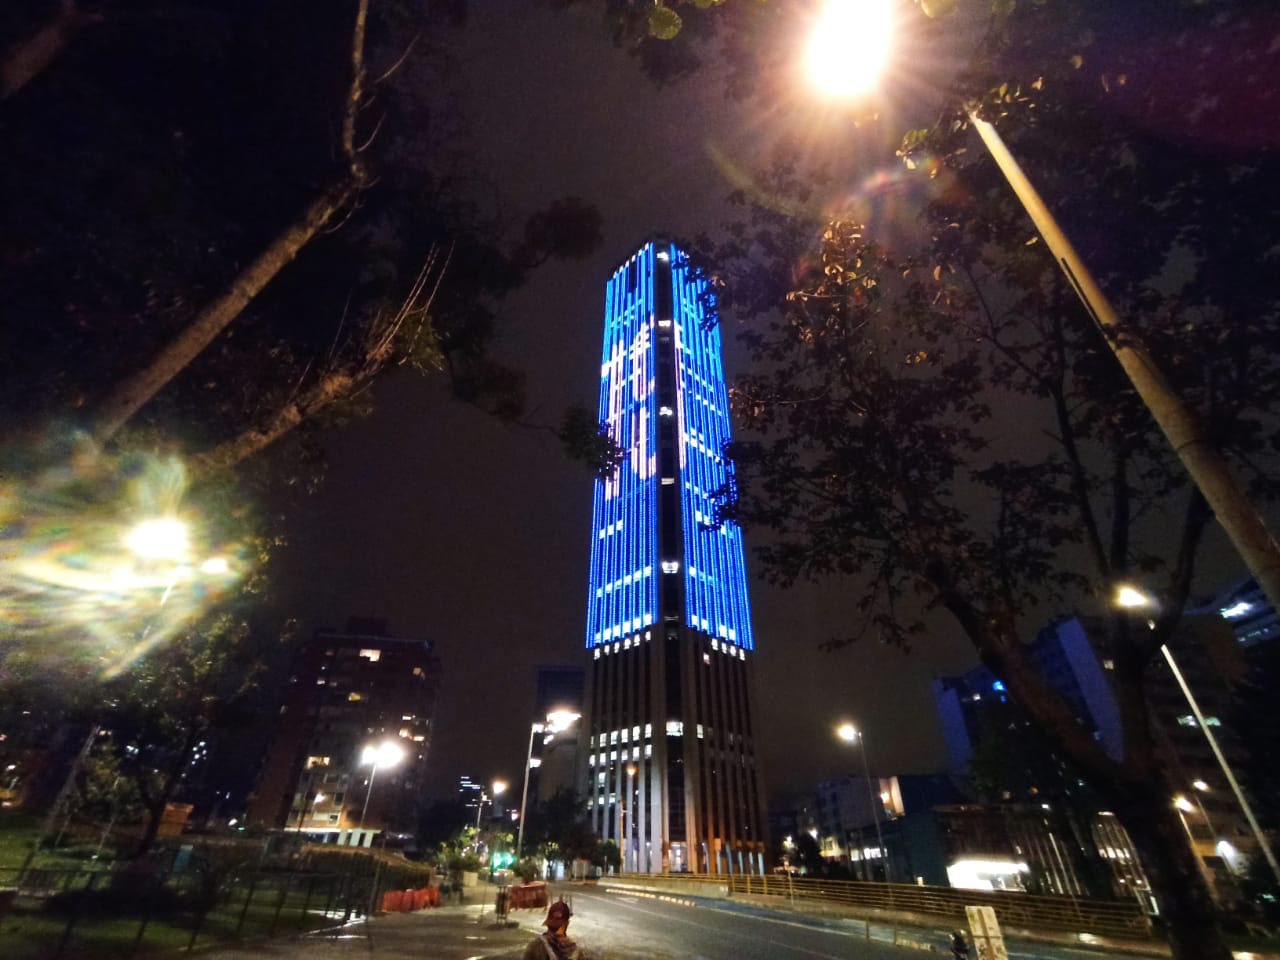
<point>1242,523</point>
<point>1131,598</point>
<point>498,787</point>
<point>851,734</point>
<point>385,754</point>
<point>557,722</point>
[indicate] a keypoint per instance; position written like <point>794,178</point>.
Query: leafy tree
<point>160,715</point>
<point>355,119</point>
<point>877,452</point>
<point>889,422</point>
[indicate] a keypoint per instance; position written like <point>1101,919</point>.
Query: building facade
<point>350,693</point>
<point>671,764</point>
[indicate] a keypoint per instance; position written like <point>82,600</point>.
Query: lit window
<point>699,731</point>
<point>648,730</point>
<point>635,753</point>
<point>613,736</point>
<point>706,658</point>
<point>648,749</point>
<point>373,656</point>
<point>664,411</point>
<point>668,481</point>
<point>1186,720</point>
<point>675,728</point>
<point>670,566</point>
<point>635,732</point>
<point>313,762</point>
<point>1212,722</point>
<point>417,671</point>
<point>354,696</point>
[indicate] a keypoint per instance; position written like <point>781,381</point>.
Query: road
<point>613,926</point>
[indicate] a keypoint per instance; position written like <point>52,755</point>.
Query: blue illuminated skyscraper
<point>671,765</point>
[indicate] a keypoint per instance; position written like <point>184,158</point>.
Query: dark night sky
<point>475,535</point>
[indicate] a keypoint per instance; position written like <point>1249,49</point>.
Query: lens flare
<point>849,46</point>
<point>101,558</point>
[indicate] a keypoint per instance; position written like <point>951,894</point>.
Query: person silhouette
<point>555,943</point>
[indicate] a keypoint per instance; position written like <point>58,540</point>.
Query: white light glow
<point>559,721</point>
<point>215,566</point>
<point>1129,597</point>
<point>847,732</point>
<point>164,538</point>
<point>849,46</point>
<point>386,754</point>
<point>986,874</point>
<point>1236,610</point>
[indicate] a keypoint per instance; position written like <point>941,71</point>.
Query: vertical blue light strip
<point>622,594</point>
<point>716,601</point>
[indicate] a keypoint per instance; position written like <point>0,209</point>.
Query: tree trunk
<point>154,818</point>
<point>27,59</point>
<point>1146,811</point>
<point>127,397</point>
<point>330,389</point>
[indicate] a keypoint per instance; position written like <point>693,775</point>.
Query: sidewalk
<point>454,932</point>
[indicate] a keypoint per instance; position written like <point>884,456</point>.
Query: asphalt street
<point>627,925</point>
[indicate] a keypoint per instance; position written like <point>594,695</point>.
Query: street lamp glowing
<point>847,732</point>
<point>560,720</point>
<point>385,754</point>
<point>499,786</point>
<point>161,538</point>
<point>1127,596</point>
<point>849,46</point>
<point>1200,785</point>
<point>1183,804</point>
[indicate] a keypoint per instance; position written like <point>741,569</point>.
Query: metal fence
<point>123,911</point>
<point>1111,918</point>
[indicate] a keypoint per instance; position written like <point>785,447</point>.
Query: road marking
<point>743,936</point>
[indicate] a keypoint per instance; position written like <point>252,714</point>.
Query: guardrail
<point>1108,918</point>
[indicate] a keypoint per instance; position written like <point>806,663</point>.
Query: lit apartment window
<point>675,728</point>
<point>313,762</point>
<point>373,656</point>
<point>355,696</point>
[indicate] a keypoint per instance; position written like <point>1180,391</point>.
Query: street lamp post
<point>498,787</point>
<point>849,734</point>
<point>534,728</point>
<point>1131,598</point>
<point>628,822</point>
<point>557,722</point>
<point>386,754</point>
<point>1206,466</point>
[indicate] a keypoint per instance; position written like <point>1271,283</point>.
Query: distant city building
<point>1246,609</point>
<point>554,757</point>
<point>1072,655</point>
<point>671,744</point>
<point>349,692</point>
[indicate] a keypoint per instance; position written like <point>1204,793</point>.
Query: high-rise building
<point>350,694</point>
<point>671,759</point>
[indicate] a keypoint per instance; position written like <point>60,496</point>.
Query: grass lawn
<point>34,932</point>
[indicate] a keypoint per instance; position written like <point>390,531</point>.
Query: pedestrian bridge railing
<point>1101,918</point>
